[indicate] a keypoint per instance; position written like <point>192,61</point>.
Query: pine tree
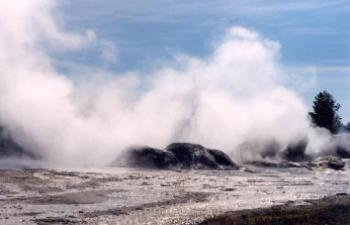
<point>324,113</point>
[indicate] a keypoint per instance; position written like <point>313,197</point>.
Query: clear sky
<point>140,35</point>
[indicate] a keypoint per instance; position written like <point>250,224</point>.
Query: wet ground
<point>134,196</point>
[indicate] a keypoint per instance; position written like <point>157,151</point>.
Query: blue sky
<point>314,34</point>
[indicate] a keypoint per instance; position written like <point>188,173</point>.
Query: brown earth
<point>328,210</point>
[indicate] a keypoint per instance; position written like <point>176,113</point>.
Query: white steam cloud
<point>235,94</point>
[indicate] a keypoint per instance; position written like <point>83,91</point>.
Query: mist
<point>234,95</point>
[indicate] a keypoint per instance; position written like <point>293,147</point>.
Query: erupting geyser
<point>233,95</point>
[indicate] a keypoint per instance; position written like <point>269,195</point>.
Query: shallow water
<point>135,196</point>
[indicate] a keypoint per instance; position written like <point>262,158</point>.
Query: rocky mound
<point>181,156</point>
<point>151,158</point>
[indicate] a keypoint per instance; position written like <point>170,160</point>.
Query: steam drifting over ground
<point>233,96</point>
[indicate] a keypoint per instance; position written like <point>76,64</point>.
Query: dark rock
<point>189,154</point>
<point>196,156</point>
<point>330,162</point>
<point>151,158</point>
<point>176,156</point>
<point>222,159</point>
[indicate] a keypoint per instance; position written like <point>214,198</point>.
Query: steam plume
<point>235,94</point>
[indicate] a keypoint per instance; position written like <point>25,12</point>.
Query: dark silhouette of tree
<point>324,113</point>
